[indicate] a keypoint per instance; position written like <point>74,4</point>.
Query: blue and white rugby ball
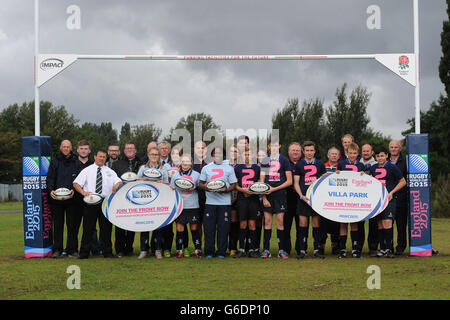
<point>152,174</point>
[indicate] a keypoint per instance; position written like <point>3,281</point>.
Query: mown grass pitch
<point>191,279</point>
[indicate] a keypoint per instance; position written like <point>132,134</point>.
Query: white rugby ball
<point>62,193</point>
<point>128,176</point>
<point>93,198</point>
<point>184,184</point>
<point>152,174</point>
<point>216,184</point>
<point>259,187</point>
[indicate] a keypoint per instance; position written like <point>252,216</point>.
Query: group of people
<point>232,220</point>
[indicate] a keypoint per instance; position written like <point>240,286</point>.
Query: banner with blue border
<point>418,183</point>
<point>37,220</point>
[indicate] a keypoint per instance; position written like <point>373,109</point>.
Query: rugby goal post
<point>405,65</point>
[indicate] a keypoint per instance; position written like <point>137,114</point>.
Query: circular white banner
<point>143,206</point>
<point>348,196</point>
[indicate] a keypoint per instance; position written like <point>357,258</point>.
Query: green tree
<point>141,135</point>
<point>436,122</point>
<point>444,65</point>
<point>99,136</point>
<point>300,124</point>
<point>125,134</point>
<point>10,156</point>
<point>345,116</point>
<point>286,120</point>
<point>188,123</point>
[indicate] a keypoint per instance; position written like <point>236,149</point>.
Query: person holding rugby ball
<point>392,178</point>
<point>247,205</point>
<point>351,163</point>
<point>153,162</point>
<point>217,217</point>
<point>276,171</point>
<point>190,213</point>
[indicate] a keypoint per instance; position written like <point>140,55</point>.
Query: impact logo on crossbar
<point>51,63</point>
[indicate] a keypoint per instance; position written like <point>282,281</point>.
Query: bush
<point>440,196</point>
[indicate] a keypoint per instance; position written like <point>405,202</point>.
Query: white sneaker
<point>158,254</point>
<point>142,255</point>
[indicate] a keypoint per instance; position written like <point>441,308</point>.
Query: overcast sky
<point>238,94</point>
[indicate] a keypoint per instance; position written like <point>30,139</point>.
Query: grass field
<point>191,279</point>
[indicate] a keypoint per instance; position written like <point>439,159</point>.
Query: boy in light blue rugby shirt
<point>217,217</point>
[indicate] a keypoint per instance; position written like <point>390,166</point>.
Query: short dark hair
<point>380,149</point>
<point>309,144</point>
<point>100,150</point>
<point>244,137</point>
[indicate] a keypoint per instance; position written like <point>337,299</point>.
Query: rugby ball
<point>216,184</point>
<point>259,187</point>
<point>152,174</point>
<point>128,176</point>
<point>93,198</point>
<point>184,184</point>
<point>62,193</point>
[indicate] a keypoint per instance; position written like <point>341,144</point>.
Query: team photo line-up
<point>231,220</point>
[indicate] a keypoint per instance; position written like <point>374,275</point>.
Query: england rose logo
<point>403,62</point>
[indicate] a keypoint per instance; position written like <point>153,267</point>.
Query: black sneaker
<point>342,254</point>
<point>356,254</point>
<point>373,253</point>
<point>64,253</point>
<point>301,255</point>
<point>399,252</point>
<point>239,254</point>
<point>56,254</point>
<point>434,252</point>
<point>109,256</point>
<point>253,254</point>
<point>73,255</point>
<point>389,254</point>
<point>318,254</point>
<point>381,253</point>
<point>82,256</point>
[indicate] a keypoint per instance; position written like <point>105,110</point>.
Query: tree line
<point>306,120</point>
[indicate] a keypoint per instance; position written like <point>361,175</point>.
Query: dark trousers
<point>401,220</point>
<point>64,210</point>
<point>91,214</point>
<point>216,220</point>
<point>124,240</point>
<point>372,238</point>
<point>290,216</point>
<point>167,233</point>
<point>361,234</point>
<point>157,240</point>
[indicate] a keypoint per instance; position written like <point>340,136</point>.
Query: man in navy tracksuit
<point>401,197</point>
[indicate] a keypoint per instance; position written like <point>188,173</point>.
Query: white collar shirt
<point>87,179</point>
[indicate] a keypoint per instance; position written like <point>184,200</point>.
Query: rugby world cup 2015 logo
<point>45,164</point>
<point>332,182</point>
<point>30,166</point>
<point>142,194</point>
<point>418,163</point>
